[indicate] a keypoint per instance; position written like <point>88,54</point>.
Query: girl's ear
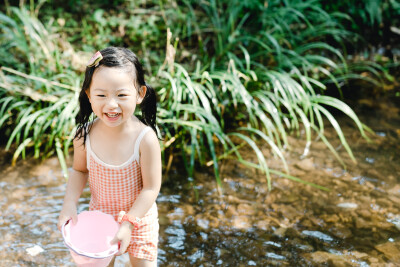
<point>141,94</point>
<point>88,93</point>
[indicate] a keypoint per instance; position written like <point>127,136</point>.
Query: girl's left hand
<point>123,237</point>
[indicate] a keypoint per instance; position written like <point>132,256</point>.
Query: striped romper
<point>115,188</point>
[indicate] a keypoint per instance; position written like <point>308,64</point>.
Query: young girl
<point>118,152</point>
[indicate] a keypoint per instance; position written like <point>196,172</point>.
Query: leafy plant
<point>235,73</point>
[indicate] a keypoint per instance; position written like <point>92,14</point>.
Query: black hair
<point>116,57</point>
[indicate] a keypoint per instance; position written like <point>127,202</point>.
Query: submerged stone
<point>391,250</point>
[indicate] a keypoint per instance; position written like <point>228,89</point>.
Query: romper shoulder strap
<point>137,143</point>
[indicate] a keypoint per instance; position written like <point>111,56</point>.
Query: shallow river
<point>356,223</point>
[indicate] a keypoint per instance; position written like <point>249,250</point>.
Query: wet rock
<point>263,224</point>
<point>306,164</point>
<point>214,223</point>
<point>202,223</point>
<point>288,198</point>
<point>304,247</point>
<point>292,233</point>
<point>280,231</point>
<point>364,213</point>
<point>35,250</point>
<point>384,203</point>
<point>232,199</point>
<point>321,258</point>
<point>361,223</point>
<point>372,260</point>
<point>307,223</point>
<point>231,211</point>
<point>341,232</point>
<point>391,250</point>
<point>188,210</point>
<point>359,255</point>
<point>241,222</point>
<point>330,218</point>
<point>21,193</point>
<point>245,209</point>
<point>395,190</point>
<point>318,235</point>
<point>347,205</point>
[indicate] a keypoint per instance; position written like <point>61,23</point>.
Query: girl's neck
<point>128,126</point>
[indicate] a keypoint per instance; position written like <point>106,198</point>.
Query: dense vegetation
<point>227,73</point>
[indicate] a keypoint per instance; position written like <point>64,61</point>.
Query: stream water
<point>356,223</point>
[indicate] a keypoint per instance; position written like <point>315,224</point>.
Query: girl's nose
<point>112,102</point>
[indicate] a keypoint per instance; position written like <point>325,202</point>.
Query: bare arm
<point>76,183</point>
<point>150,162</point>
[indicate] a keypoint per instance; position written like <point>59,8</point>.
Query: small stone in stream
<point>245,209</point>
<point>231,211</point>
<point>306,164</point>
<point>241,222</point>
<point>341,232</point>
<point>318,234</point>
<point>391,250</point>
<point>264,224</point>
<point>347,205</point>
<point>395,190</point>
<point>322,258</point>
<point>35,250</point>
<point>280,231</point>
<point>359,255</point>
<point>203,223</point>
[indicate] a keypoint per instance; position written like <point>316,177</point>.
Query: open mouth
<point>112,115</point>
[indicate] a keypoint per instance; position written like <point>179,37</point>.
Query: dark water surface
<point>357,223</point>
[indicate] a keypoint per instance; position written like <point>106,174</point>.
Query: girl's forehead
<point>113,77</point>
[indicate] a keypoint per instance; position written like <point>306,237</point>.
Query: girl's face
<point>113,95</point>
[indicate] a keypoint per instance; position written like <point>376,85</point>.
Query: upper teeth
<point>112,115</point>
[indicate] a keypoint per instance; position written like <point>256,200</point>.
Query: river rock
<point>341,232</point>
<point>359,255</point>
<point>245,209</point>
<point>321,258</point>
<point>306,164</point>
<point>330,218</point>
<point>395,190</point>
<point>361,223</point>
<point>347,205</point>
<point>231,211</point>
<point>241,222</point>
<point>391,250</point>
<point>280,231</point>
<point>263,224</point>
<point>364,213</point>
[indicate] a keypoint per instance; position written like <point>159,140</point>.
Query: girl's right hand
<point>68,212</point>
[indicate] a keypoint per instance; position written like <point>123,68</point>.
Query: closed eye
<point>101,95</point>
<point>122,95</point>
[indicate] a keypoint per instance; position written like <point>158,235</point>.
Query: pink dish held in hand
<point>89,240</point>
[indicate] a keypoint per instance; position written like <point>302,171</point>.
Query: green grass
<point>236,75</point>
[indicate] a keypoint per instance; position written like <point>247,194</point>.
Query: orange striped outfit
<point>115,188</point>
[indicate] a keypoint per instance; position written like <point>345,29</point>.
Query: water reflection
<point>357,223</point>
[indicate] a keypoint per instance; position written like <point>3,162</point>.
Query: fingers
<point>115,240</point>
<point>123,243</point>
<point>63,220</point>
<point>74,219</point>
<point>123,246</point>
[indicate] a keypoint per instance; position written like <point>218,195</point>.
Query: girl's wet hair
<point>121,58</point>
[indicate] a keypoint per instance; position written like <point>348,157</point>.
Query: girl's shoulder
<point>149,140</point>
